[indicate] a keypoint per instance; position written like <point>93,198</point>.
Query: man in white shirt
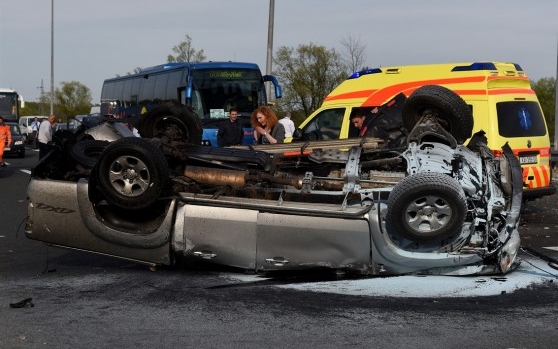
<point>45,135</point>
<point>288,124</point>
<point>35,130</point>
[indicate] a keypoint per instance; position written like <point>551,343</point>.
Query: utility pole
<point>556,102</point>
<point>41,98</point>
<point>269,47</point>
<point>51,57</point>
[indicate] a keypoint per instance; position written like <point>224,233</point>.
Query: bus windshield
<point>9,106</point>
<point>216,91</point>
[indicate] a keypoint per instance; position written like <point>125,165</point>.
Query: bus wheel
<point>131,173</point>
<point>449,109</point>
<point>426,206</point>
<point>173,120</point>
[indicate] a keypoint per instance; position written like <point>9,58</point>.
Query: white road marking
<point>553,248</point>
<point>26,171</point>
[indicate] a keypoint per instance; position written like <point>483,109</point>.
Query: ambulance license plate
<point>527,160</point>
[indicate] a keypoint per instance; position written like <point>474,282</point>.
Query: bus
<point>10,104</point>
<point>209,88</point>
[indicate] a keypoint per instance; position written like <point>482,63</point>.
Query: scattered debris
<point>23,303</point>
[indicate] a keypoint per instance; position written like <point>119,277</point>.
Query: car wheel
<point>21,153</point>
<point>426,206</point>
<point>449,109</point>
<point>87,152</point>
<point>131,173</point>
<point>175,121</point>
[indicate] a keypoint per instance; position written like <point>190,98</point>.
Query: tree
<point>72,98</point>
<point>135,71</point>
<point>307,73</point>
<point>31,108</point>
<point>354,55</point>
<point>545,88</point>
<point>185,52</point>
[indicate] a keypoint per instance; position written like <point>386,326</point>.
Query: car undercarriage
<point>435,206</point>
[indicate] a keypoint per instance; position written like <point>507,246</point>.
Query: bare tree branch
<point>354,55</point>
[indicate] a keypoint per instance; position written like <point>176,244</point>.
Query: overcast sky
<point>95,40</point>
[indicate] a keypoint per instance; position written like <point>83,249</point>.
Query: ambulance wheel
<point>426,206</point>
<point>449,109</point>
<point>175,121</point>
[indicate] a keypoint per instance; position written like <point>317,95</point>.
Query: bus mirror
<point>278,92</point>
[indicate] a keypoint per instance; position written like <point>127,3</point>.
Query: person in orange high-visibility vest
<point>5,135</point>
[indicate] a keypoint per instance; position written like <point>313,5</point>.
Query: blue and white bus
<point>209,88</point>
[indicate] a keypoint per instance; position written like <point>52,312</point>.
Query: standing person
<point>5,135</point>
<point>132,128</point>
<point>230,131</point>
<point>45,136</point>
<point>267,128</point>
<point>288,124</point>
<point>34,130</point>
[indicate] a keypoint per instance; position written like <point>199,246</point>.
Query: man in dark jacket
<point>230,131</point>
<point>385,122</point>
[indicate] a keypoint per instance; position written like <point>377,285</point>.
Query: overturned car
<point>434,206</point>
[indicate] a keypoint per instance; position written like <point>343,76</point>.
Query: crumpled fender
<point>154,239</point>
<point>510,165</point>
<point>109,131</point>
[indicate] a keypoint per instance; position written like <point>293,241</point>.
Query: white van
<point>25,124</point>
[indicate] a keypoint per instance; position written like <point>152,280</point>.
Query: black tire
<point>176,121</point>
<point>86,153</point>
<point>426,206</point>
<point>131,173</point>
<point>450,110</point>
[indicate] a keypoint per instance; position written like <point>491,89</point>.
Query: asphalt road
<point>82,300</point>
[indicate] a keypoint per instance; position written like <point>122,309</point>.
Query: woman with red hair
<point>267,128</point>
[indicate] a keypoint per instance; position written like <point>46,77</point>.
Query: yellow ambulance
<point>499,94</point>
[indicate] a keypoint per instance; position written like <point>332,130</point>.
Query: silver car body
<point>274,233</point>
